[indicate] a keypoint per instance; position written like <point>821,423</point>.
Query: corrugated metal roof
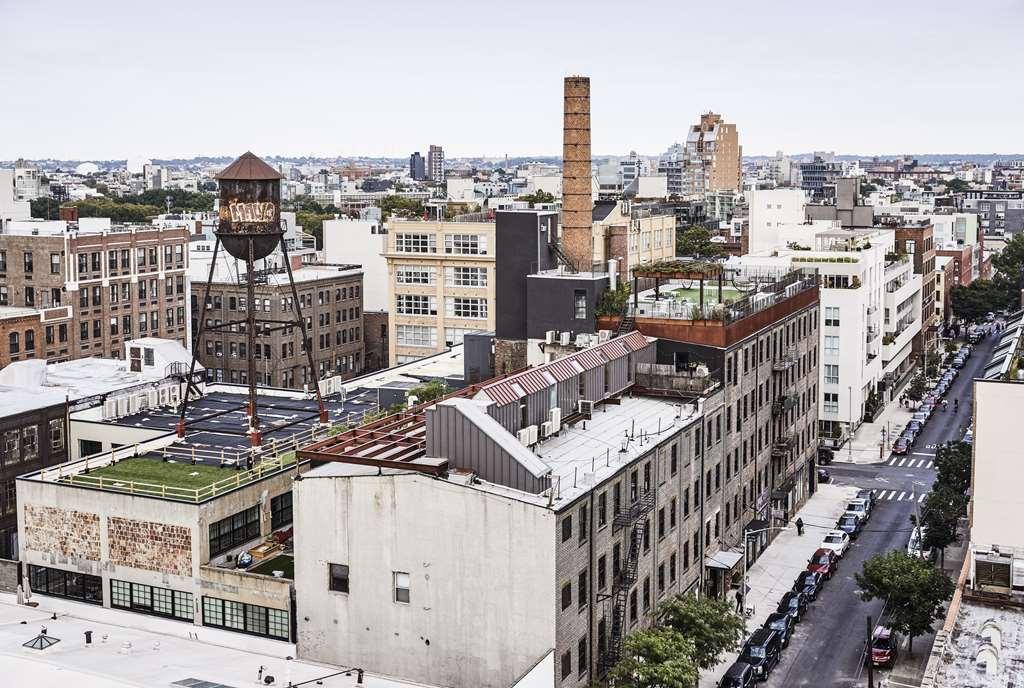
<point>565,368</point>
<point>590,358</point>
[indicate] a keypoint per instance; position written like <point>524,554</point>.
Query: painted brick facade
<point>150,546</point>
<point>66,532</point>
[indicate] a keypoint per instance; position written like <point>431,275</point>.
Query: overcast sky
<point>111,79</point>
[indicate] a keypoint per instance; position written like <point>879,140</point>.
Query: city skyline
<point>154,85</point>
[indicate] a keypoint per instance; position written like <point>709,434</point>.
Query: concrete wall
<point>360,242</point>
<point>250,588</point>
<point>481,569</point>
<point>998,497</point>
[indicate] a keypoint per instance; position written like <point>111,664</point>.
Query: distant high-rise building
<point>417,167</point>
<point>714,150</point>
<point>435,164</point>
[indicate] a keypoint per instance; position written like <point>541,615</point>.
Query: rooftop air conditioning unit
<point>581,341</point>
<point>545,429</point>
<point>549,337</point>
<point>586,407</point>
<point>555,418</point>
<point>524,436</point>
<point>604,335</point>
<point>566,338</point>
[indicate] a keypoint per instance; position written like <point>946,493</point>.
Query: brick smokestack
<point>577,198</point>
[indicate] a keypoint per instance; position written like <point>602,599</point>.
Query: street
<point>827,647</point>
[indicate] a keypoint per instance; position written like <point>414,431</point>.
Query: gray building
<point>999,212</point>
<point>818,177</point>
<point>417,166</point>
<point>844,205</point>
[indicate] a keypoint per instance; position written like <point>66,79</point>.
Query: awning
<point>723,560</point>
<point>756,524</point>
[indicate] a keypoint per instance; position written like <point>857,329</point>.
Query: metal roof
<point>249,167</point>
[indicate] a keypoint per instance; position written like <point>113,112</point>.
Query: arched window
<point>30,340</point>
<point>14,342</point>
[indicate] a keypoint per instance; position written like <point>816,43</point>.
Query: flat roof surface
<point>958,666</point>
<point>224,659</point>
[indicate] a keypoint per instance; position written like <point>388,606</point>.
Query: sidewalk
<point>863,448</point>
<point>773,573</point>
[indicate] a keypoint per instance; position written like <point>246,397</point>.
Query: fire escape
<point>561,258</point>
<point>631,518</point>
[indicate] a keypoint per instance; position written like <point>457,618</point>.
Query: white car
<point>837,541</point>
<point>914,547</point>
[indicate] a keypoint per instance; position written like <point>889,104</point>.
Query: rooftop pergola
<point>699,270</point>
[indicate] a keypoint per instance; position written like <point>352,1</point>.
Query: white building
<point>11,208</point>
<point>361,242</point>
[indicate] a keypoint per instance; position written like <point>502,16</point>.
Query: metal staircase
<point>626,578</point>
<point>562,259</point>
<point>627,324</point>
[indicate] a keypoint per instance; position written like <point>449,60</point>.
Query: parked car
<point>859,507</point>
<point>851,524</point>
<point>915,426</point>
<point>909,436</point>
<point>809,583</point>
<point>761,651</point>
<point>794,604</point>
<point>824,561</point>
<point>825,456</point>
<point>926,409</point>
<point>901,446</point>
<point>884,646</point>
<point>969,436</point>
<point>941,388</point>
<point>782,624</point>
<point>868,495</point>
<point>824,476</point>
<point>739,675</point>
<point>921,417</point>
<point>837,541</point>
<point>914,546</point>
<point>959,362</point>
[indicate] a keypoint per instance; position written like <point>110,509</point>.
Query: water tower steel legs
<point>306,343</point>
<point>250,327</point>
<point>197,338</point>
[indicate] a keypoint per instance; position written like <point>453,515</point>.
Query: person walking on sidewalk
<point>739,601</point>
<point>799,526</point>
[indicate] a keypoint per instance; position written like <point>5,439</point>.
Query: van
<point>861,507</point>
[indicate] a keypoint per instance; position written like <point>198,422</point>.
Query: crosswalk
<point>910,462</point>
<point>899,496</point>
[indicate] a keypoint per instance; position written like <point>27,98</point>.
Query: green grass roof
<point>157,472</point>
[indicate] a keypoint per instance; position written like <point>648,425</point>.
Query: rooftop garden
<point>680,269</point>
<point>282,562</point>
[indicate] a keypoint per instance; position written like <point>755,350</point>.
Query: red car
<point>884,646</point>
<point>825,561</point>
<point>901,446</point>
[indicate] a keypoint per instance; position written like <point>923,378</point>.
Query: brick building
<point>96,284</point>
<point>330,298</point>
<point>915,238</point>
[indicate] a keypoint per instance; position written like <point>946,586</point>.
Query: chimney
<point>68,213</point>
<point>577,198</point>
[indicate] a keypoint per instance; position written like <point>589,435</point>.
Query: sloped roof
<point>249,167</point>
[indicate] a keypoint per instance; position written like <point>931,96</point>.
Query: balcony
<point>871,334</point>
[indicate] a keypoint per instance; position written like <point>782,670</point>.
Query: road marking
<point>890,495</point>
<point>921,498</point>
<point>931,464</point>
<point>900,498</point>
<point>930,446</point>
<point>900,464</point>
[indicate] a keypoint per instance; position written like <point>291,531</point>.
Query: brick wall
<point>8,575</point>
<point>65,532</point>
<point>150,546</point>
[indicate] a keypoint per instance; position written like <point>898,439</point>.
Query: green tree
<point>696,242</point>
<point>429,391</point>
<point>981,296</point>
<point>953,466</point>
<point>45,208</point>
<point>957,185</point>
<point>709,622</point>
<point>940,516</point>
<point>913,589</point>
<point>400,206</point>
<point>655,658</point>
<point>313,223</point>
<point>539,196</point>
<point>613,301</point>
<point>916,389</point>
<point>117,210</point>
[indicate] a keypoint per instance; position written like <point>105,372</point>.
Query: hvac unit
<point>581,341</point>
<point>604,335</point>
<point>528,436</point>
<point>545,429</point>
<point>555,418</point>
<point>122,407</point>
<point>153,398</point>
<point>533,430</point>
<point>549,337</point>
<point>566,338</point>
<point>586,407</point>
<point>174,395</point>
<point>109,410</point>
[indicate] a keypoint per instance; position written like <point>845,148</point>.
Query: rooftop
<point>16,312</point>
<point>1005,362</point>
<point>986,648</point>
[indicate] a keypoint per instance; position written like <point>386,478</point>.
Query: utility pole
<point>867,651</point>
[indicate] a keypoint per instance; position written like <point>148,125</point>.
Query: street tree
<point>953,466</point>
<point>916,388</point>
<point>913,589</point>
<point>657,657</point>
<point>940,516</point>
<point>696,242</point>
<point>978,298</point>
<point>710,623</point>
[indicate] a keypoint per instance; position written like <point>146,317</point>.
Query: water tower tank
<point>250,208</point>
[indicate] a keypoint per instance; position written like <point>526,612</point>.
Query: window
<point>831,374</point>
<point>415,304</point>
<point>465,244</point>
<point>14,342</point>
<point>464,307</point>
<point>831,404</point>
<point>566,664</point>
<point>150,600</point>
<point>566,596</point>
<point>401,587</point>
<point>28,261</point>
<point>234,530</point>
<point>416,335</point>
<point>465,277</point>
<point>57,434</point>
<point>602,571</point>
<point>415,243</point>
<point>602,508</point>
<point>338,581</point>
<point>70,584</point>
<point>579,299</point>
<point>582,590</point>
<point>414,274</point>
<point>246,618</point>
<point>581,656</point>
<point>566,528</point>
<point>280,510</point>
<point>831,345</point>
<point>831,316</point>
<point>54,263</point>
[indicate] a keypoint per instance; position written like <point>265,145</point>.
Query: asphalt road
<point>826,649</point>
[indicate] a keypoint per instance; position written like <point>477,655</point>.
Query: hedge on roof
<point>697,268</point>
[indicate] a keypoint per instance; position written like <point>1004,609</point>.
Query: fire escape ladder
<point>625,579</point>
<point>561,258</point>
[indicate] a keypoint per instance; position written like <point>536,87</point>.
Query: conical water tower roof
<point>249,167</point>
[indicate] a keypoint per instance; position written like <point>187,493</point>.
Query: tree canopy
<point>913,589</point>
<point>538,196</point>
<point>980,297</point>
<point>940,515</point>
<point>429,391</point>
<point>710,623</point>
<point>696,241</point>
<point>916,388</point>
<point>956,185</point>
<point>953,466</point>
<point>656,657</point>
<point>400,206</point>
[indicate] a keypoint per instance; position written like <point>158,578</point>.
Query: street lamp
<point>746,538</point>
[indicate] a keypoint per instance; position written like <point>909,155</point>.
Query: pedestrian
<point>739,601</point>
<point>799,526</point>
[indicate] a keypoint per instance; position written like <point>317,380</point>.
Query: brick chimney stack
<point>577,197</point>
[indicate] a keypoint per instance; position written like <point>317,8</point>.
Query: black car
<point>809,583</point>
<point>868,496</point>
<point>794,604</point>
<point>824,476</point>
<point>761,652</point>
<point>850,524</point>
<point>825,456</point>
<point>739,675</point>
<point>782,624</point>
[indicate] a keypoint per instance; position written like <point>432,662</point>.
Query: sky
<point>109,79</point>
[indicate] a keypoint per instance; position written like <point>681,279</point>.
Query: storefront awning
<point>756,524</point>
<point>723,560</point>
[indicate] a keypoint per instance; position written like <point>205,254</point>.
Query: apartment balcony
<point>872,334</point>
<point>895,341</point>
